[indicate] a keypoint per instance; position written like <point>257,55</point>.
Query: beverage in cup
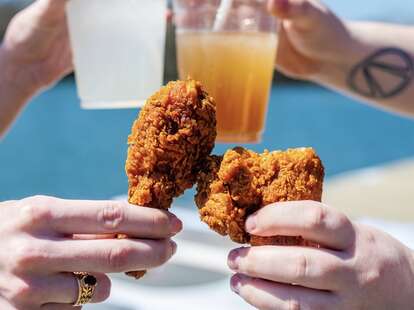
<point>230,46</point>
<point>118,49</point>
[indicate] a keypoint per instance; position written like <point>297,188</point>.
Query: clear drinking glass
<point>229,46</point>
<point>118,50</point>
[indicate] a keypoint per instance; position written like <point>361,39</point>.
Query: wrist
<point>335,71</point>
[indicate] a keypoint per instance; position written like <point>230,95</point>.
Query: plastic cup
<point>118,48</point>
<point>230,46</point>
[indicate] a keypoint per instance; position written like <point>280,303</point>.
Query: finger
<point>89,217</point>
<point>308,267</point>
<point>52,4</point>
<point>53,288</point>
<point>102,256</point>
<point>97,217</point>
<point>263,295</point>
<point>63,289</point>
<point>311,220</point>
<point>289,61</point>
<point>48,12</point>
<point>304,13</point>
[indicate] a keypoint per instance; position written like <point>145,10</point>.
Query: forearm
<point>378,66</point>
<point>412,266</point>
<point>14,91</point>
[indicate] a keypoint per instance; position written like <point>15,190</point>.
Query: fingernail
<point>173,248</point>
<point>233,260</point>
<point>235,284</point>
<point>175,225</point>
<point>251,223</point>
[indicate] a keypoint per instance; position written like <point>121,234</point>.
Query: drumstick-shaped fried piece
<point>173,135</point>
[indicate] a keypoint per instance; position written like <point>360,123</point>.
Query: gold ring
<point>86,288</point>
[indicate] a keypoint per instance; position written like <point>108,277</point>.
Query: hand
<point>356,267</point>
<point>310,37</point>
<point>44,239</point>
<point>36,45</point>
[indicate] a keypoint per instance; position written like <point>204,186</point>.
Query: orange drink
<point>230,47</point>
<point>236,68</point>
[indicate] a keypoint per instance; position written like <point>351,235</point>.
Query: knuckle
<point>20,293</point>
<point>35,212</point>
<point>118,257</point>
<point>26,255</point>
<point>346,230</point>
<point>343,222</point>
<point>301,267</point>
<point>112,216</point>
<point>40,199</point>
<point>316,218</point>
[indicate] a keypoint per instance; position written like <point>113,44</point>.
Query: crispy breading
<point>233,186</point>
<point>175,132</point>
<point>172,137</point>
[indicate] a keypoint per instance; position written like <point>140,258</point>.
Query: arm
<point>35,53</point>
<point>371,61</point>
<point>378,68</point>
<point>14,94</point>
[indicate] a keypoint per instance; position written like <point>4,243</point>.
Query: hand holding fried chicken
<point>232,187</point>
<point>172,137</point>
<point>354,267</point>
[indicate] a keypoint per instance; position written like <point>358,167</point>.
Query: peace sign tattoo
<point>384,74</point>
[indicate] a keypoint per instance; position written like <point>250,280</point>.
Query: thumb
<point>52,4</point>
<point>50,7</point>
<point>303,13</point>
<point>290,61</point>
<point>47,12</point>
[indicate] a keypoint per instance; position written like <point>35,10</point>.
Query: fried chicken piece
<point>172,137</point>
<point>174,134</point>
<point>233,186</point>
